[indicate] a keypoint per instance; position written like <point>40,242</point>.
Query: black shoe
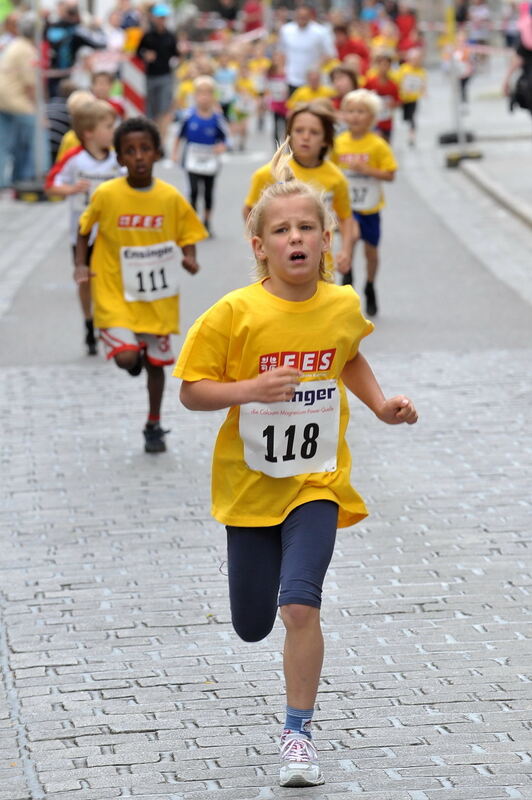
<point>137,369</point>
<point>347,278</point>
<point>154,438</point>
<point>371,300</point>
<point>90,338</point>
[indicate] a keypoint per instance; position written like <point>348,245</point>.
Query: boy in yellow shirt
<point>366,160</point>
<point>412,80</point>
<point>134,269</point>
<point>313,90</point>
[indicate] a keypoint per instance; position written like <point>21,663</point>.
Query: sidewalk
<point>504,139</point>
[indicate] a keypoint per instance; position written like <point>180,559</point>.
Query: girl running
<point>278,354</point>
<point>310,131</point>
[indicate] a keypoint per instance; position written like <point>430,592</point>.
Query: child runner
<point>382,83</point>
<point>277,95</point>
<point>76,100</point>
<point>135,267</point>
<point>277,354</point>
<point>101,87</point>
<point>77,175</point>
<point>243,106</point>
<point>367,160</point>
<point>204,132</point>
<point>310,134</point>
<point>313,90</point>
<point>412,79</point>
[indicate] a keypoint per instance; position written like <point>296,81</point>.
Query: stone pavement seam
<point>35,789</point>
<point>520,209</point>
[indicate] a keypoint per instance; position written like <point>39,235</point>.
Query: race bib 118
<point>293,437</point>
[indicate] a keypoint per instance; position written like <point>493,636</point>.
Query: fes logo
<point>305,361</point>
<point>140,221</point>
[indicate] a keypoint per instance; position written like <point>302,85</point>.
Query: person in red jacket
<point>347,45</point>
<point>382,84</point>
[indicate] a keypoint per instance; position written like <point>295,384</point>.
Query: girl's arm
<point>273,386</point>
<point>359,379</point>
<point>349,233</point>
<point>373,172</point>
<point>67,189</point>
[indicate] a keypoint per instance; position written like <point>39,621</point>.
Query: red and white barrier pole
<point>133,75</point>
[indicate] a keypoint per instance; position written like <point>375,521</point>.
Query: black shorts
<point>280,564</point>
<point>409,111</point>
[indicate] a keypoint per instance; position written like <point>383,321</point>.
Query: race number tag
<point>201,159</point>
<point>365,191</point>
<point>294,437</point>
<point>412,84</point>
<point>150,272</point>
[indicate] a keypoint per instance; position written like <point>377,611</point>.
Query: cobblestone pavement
<point>120,675</point>
<point>126,677</point>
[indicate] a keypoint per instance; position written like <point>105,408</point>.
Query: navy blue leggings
<point>294,556</point>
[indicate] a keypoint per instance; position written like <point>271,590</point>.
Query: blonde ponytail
<point>286,185</point>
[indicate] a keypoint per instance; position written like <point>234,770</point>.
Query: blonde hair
<point>204,82</point>
<point>287,185</point>
<point>87,117</point>
<point>363,97</point>
<point>78,99</point>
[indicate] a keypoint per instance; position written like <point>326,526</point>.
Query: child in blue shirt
<point>204,133</point>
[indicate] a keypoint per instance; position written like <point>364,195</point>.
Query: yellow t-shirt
<point>137,234</point>
<point>327,178</point>
<point>68,141</point>
<point>412,82</point>
<point>185,94</point>
<point>306,95</point>
<point>258,67</point>
<point>367,196</point>
<point>250,331</point>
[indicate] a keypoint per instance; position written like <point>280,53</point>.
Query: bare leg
<point>303,654</point>
<point>372,261</point>
<point>155,389</point>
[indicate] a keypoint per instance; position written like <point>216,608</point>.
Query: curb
<point>519,209</point>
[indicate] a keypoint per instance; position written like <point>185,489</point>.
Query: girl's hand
<point>343,262</point>
<point>275,386</point>
<point>396,410</point>
<point>219,148</point>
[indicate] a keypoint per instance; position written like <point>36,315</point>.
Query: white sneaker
<point>299,761</point>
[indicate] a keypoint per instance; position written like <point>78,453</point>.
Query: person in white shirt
<point>305,44</point>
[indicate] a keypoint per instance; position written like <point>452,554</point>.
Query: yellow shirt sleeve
<point>91,215</point>
<point>259,180</point>
<point>341,199</point>
<point>204,353</point>
<point>189,228</point>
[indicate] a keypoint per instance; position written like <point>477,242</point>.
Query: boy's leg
<point>347,277</point>
<point>372,261</point>
<point>155,384</point>
<point>254,564</point>
<point>85,301</point>
<point>370,226</point>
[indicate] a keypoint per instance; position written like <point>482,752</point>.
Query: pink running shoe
<point>299,761</point>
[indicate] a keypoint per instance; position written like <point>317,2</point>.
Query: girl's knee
<point>252,630</point>
<point>296,616</point>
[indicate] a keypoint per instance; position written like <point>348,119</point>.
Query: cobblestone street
<point>121,676</point>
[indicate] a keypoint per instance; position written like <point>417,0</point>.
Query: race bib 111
<point>293,437</point>
<point>150,272</point>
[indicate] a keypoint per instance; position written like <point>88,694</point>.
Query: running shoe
<point>154,438</point>
<point>299,761</point>
<point>371,300</point>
